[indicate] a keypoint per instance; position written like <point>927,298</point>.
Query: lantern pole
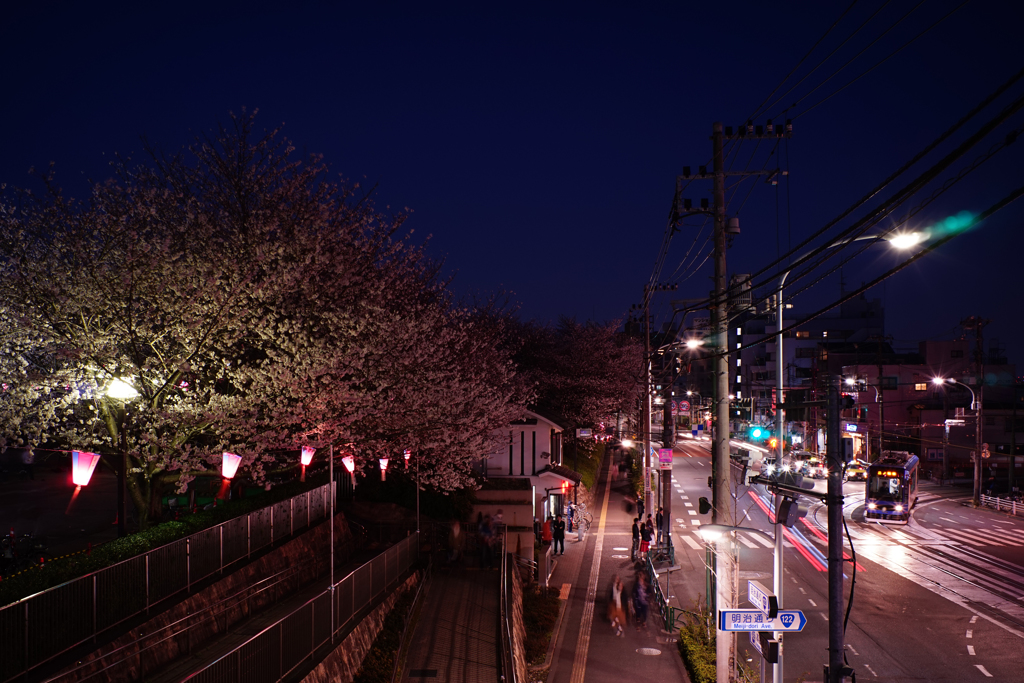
<point>330,467</point>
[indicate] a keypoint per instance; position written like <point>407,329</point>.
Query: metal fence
<point>306,634</point>
<point>42,626</point>
<point>1011,505</point>
<point>505,626</point>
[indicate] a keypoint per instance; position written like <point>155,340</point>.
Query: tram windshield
<point>886,486</point>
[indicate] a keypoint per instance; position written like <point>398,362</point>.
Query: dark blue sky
<point>539,145</point>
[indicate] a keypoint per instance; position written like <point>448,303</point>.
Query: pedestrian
<point>536,528</point>
<point>545,532</point>
<point>558,533</point>
<point>636,539</point>
<point>570,509</point>
<point>616,606</point>
<point>640,507</point>
<point>455,540</point>
<point>486,543</point>
<point>640,601</point>
<point>660,522</point>
<point>645,539</point>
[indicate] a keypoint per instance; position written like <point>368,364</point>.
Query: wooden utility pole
<point>976,323</point>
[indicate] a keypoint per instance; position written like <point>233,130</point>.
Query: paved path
<point>455,638</point>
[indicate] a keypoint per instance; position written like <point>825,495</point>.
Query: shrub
<point>379,663</point>
<point>540,613</point>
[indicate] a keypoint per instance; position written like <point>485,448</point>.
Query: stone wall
<point>162,640</point>
<point>342,665</point>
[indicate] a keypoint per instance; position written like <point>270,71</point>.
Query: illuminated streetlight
<point>120,389</point>
<point>976,407</point>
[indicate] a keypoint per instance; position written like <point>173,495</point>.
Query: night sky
<point>538,145</point>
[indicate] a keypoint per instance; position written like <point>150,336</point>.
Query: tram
<point>891,487</point>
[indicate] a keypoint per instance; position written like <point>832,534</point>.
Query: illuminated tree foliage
<point>582,373</point>
<point>255,305</point>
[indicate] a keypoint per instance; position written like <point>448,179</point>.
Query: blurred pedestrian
<point>455,541</point>
<point>641,601</point>
<point>645,540</point>
<point>486,543</point>
<point>660,525</point>
<point>545,532</point>
<point>616,606</point>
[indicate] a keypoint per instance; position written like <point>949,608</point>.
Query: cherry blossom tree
<point>254,305</point>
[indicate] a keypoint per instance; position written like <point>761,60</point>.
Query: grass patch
<point>379,664</point>
<point>587,461</point>
<point>697,647</point>
<point>540,614</point>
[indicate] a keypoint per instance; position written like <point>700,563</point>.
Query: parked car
<point>818,468</point>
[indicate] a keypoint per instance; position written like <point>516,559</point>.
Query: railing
<point>508,666</point>
<point>1011,505</point>
<point>313,628</point>
<point>45,625</point>
<point>667,612</point>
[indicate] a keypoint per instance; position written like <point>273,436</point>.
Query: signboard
<point>849,427</point>
<point>756,620</point>
<point>665,455</point>
<point>684,406</point>
<point>764,644</point>
<point>584,433</point>
<point>763,599</point>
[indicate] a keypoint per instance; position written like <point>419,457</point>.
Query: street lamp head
<point>712,532</point>
<point>689,393</point>
<point>905,240</point>
<point>850,381</point>
<point>694,343</point>
<point>938,381</point>
<point>120,389</point>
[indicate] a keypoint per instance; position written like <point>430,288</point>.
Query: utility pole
<point>836,671</point>
<point>722,492</point>
<point>722,504</point>
<point>945,435</point>
<point>647,401</point>
<point>977,323</point>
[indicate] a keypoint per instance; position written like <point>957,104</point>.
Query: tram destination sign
<point>756,620</point>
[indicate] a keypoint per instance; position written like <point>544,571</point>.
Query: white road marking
<point>983,670</point>
<point>764,541</point>
<point>689,505</point>
<point>974,619</point>
<point>695,522</point>
<point>692,512</point>
<point>803,591</point>
<point>813,604</point>
<point>690,542</point>
<point>850,648</point>
<point>970,633</point>
<point>871,670</point>
<point>970,650</point>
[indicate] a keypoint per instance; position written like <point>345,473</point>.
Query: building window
<point>739,379</point>
<point>739,394</point>
<point>805,352</point>
<point>739,345</point>
<point>739,362</point>
<point>921,386</point>
<point>889,383</point>
<point>824,335</point>
<point>803,334</point>
<point>956,353</point>
<point>739,331</point>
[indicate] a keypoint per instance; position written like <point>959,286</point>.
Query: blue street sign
<point>756,620</point>
<point>763,599</point>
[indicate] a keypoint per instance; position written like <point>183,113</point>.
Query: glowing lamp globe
<point>82,466</point>
<point>229,465</point>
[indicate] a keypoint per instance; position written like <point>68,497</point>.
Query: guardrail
<point>508,666</point>
<point>45,625</point>
<point>314,627</point>
<point>1010,505</point>
<point>667,612</point>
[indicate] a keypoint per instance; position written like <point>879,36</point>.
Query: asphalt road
<point>939,599</point>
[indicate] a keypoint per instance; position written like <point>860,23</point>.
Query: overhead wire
<point>855,57</point>
<point>879,63</point>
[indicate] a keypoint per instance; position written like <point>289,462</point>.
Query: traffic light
<point>703,506</point>
<point>790,511</point>
<point>773,443</point>
<point>756,432</point>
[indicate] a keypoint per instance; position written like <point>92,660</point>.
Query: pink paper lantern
<point>82,466</point>
<point>307,455</point>
<point>230,464</point>
<point>350,464</point>
<point>407,454</point>
<point>383,468</point>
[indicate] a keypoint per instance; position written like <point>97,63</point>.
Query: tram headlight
<point>872,506</point>
<point>899,508</point>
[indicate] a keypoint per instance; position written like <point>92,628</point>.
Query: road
<point>939,599</point>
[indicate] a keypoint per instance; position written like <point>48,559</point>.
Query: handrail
<point>505,615</point>
<point>668,613</point>
<point>1010,505</point>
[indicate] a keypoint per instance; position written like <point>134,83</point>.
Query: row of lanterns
<point>83,464</point>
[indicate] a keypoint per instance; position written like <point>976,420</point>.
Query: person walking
<point>640,601</point>
<point>616,606</point>
<point>640,507</point>
<point>570,510</point>
<point>558,532</point>
<point>636,539</point>
<point>660,525</point>
<point>486,543</point>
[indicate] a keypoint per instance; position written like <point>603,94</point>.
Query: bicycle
<point>582,518</point>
